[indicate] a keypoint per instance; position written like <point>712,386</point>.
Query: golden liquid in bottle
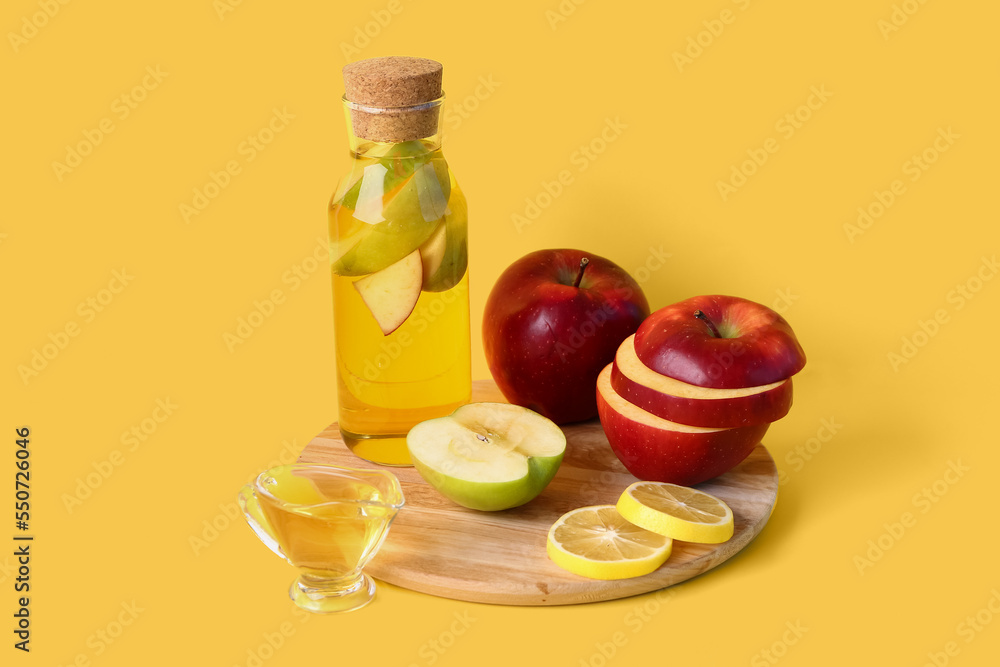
<point>389,383</point>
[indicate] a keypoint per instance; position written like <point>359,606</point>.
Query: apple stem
<point>583,265</point>
<point>711,325</point>
<point>482,437</point>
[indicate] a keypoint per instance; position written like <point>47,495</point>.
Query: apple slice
<point>399,160</point>
<point>398,221</point>
<point>432,251</point>
<point>445,253</point>
<point>655,449</point>
<point>487,456</point>
<point>392,293</point>
<point>693,405</point>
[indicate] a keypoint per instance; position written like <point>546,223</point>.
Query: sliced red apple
<point>719,341</point>
<point>693,405</point>
<point>392,293</point>
<point>655,449</point>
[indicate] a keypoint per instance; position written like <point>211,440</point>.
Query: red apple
<point>553,320</point>
<point>693,405</point>
<point>654,449</point>
<point>723,342</point>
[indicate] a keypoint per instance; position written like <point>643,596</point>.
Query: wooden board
<point>438,547</point>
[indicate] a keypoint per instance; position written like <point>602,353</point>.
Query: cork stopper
<point>386,87</point>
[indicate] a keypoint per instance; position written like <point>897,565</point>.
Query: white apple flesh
<point>656,449</point>
<point>392,293</point>
<point>487,456</point>
<point>690,404</point>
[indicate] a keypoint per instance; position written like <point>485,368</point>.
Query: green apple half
<point>487,456</point>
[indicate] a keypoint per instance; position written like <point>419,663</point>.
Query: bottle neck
<point>375,132</point>
<point>362,148</point>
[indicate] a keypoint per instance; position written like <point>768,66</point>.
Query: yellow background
<point>780,239</point>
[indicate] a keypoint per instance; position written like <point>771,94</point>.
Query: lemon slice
<point>679,512</point>
<point>597,542</point>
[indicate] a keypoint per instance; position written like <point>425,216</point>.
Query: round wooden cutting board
<point>437,547</point>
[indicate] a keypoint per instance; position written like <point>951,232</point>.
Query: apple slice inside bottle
<point>392,293</point>
<point>690,404</point>
<point>445,254</point>
<point>487,456</point>
<point>398,221</point>
<point>399,162</point>
<point>432,252</point>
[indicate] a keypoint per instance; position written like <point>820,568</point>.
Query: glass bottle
<point>399,261</point>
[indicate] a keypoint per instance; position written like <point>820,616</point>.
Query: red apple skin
<point>761,347</point>
<point>546,341</point>
<point>659,455</point>
<point>765,407</point>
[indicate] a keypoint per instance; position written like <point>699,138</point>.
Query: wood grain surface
<point>440,548</point>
